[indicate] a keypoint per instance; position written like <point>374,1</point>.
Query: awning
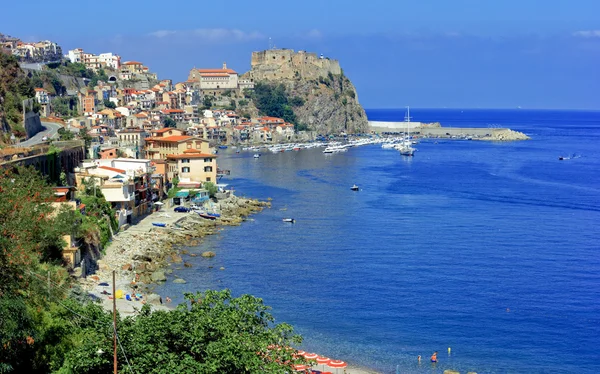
<point>182,194</point>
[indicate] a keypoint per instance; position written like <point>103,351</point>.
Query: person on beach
<point>419,358</point>
<point>434,357</point>
<point>168,299</point>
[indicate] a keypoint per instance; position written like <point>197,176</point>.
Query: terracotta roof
<point>112,169</point>
<point>193,154</point>
<point>40,90</point>
<point>163,130</point>
<point>132,63</point>
<point>227,71</point>
<point>167,111</point>
<point>173,138</point>
<point>141,115</point>
<point>214,74</point>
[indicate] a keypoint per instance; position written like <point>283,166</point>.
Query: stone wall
<point>287,64</point>
<point>32,124</point>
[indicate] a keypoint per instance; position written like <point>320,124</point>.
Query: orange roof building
<point>214,79</point>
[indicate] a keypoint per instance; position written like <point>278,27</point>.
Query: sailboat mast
<point>407,122</point>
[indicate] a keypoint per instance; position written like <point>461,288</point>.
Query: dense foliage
<point>15,86</point>
<point>211,332</point>
<point>31,244</point>
<point>65,106</point>
<point>272,100</point>
<point>45,327</point>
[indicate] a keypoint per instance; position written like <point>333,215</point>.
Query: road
<point>50,130</point>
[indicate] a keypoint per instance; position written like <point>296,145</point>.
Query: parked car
<point>45,138</point>
<point>181,209</point>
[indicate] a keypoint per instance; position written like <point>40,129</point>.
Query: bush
<point>211,188</point>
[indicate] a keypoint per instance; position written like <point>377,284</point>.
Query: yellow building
<point>193,167</point>
<point>160,147</point>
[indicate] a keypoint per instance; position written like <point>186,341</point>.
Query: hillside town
<point>140,141</point>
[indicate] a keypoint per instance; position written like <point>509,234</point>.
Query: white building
<point>210,79</point>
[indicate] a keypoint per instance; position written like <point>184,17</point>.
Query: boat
<point>405,148</point>
<point>159,224</point>
<point>257,155</point>
<point>290,220</point>
<point>354,188</point>
<point>222,147</point>
<point>207,216</point>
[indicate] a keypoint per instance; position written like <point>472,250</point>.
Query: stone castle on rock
<point>274,64</point>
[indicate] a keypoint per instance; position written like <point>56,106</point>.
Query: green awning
<point>182,194</point>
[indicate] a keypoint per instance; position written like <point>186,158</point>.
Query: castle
<point>273,64</point>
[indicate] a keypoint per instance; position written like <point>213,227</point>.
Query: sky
<point>420,53</point>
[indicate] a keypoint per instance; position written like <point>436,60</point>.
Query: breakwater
<point>435,130</point>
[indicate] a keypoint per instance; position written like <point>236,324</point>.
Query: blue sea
<point>491,249</point>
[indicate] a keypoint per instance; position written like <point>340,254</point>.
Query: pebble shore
<point>141,254</point>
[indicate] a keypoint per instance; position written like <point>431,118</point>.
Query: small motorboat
<point>289,220</point>
<point>354,188</point>
<point>159,224</point>
<point>207,216</point>
<point>257,155</point>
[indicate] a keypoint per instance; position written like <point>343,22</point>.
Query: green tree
<point>64,134</point>
<point>31,243</point>
<point>211,332</point>
<point>272,100</point>
<point>211,188</point>
<point>109,104</point>
<point>232,105</point>
<point>207,101</point>
<point>169,122</point>
<point>86,137</point>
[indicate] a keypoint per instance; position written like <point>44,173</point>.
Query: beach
<point>140,255</point>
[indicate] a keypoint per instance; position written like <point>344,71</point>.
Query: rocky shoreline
<point>141,254</point>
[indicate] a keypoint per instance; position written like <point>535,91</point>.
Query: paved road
<point>50,130</point>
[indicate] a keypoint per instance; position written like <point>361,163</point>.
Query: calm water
<point>490,249</point>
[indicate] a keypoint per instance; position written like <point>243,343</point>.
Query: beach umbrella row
<point>321,360</point>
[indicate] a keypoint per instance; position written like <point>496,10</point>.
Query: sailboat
<point>405,147</point>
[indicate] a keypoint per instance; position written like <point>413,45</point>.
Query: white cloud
<point>220,35</point>
<point>314,34</point>
<point>162,33</point>
<point>587,34</point>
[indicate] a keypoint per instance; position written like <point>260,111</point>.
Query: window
<point>208,179</point>
<point>207,160</point>
<point>185,169</point>
<point>185,160</point>
<point>207,169</point>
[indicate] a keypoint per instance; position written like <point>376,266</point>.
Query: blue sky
<point>422,53</point>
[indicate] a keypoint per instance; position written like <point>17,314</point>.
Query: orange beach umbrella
<point>310,356</point>
<point>323,361</point>
<point>337,364</point>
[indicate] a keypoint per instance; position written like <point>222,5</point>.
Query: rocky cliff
<point>326,100</point>
<point>15,86</point>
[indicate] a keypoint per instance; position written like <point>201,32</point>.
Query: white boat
<point>335,149</point>
<point>354,188</point>
<point>256,155</point>
<point>290,220</point>
<point>405,148</point>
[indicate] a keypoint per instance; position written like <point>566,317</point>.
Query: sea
<point>486,252</point>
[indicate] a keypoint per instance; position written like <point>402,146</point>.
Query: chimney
<point>224,66</point>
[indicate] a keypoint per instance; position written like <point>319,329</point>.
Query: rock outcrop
<point>329,100</point>
<point>507,135</point>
